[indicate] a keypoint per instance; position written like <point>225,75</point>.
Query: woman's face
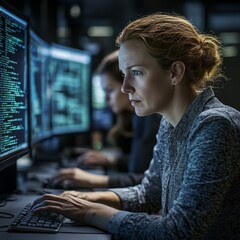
<point>148,86</point>
<point>116,99</point>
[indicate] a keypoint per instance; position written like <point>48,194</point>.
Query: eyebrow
<point>131,66</point>
<point>135,65</point>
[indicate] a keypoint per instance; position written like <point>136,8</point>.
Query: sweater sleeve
<point>119,180</point>
<point>122,163</point>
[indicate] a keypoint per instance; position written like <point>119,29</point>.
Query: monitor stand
<point>8,181</point>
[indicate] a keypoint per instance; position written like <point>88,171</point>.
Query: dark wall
<point>229,90</point>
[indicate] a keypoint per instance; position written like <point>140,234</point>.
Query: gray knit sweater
<point>192,187</point>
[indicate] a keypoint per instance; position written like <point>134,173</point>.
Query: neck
<point>182,98</point>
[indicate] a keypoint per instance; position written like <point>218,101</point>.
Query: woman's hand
<point>75,208</point>
<point>75,177</point>
<point>67,206</point>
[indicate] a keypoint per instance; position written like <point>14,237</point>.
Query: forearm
<point>107,197</point>
<point>98,181</point>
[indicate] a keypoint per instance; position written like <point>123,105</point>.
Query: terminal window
<point>13,83</point>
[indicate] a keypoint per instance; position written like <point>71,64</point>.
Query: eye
<point>122,73</point>
<point>136,72</point>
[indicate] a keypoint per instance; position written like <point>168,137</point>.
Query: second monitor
<point>40,89</point>
<point>70,79</point>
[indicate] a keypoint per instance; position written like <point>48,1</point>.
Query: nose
<point>127,86</point>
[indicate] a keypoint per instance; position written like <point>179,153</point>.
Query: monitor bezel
<point>37,142</point>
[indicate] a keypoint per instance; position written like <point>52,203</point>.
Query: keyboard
<point>28,221</point>
<point>47,183</point>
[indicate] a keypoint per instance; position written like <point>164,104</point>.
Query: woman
<point>135,136</point>
<point>191,189</point>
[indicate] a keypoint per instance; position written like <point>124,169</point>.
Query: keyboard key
<point>28,221</point>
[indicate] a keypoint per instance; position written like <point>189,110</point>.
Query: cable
<point>4,226</point>
<point>2,204</point>
<point>11,199</point>
<point>6,215</point>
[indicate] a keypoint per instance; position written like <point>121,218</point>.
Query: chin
<point>142,113</point>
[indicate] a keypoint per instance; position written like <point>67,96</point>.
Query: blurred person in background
<point>134,135</point>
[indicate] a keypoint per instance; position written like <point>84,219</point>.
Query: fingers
<point>81,159</point>
<point>64,174</point>
<point>48,206</point>
<point>78,201</point>
<point>84,157</point>
<point>69,206</point>
<point>69,184</point>
<point>73,193</point>
<point>49,202</point>
<point>40,199</point>
<point>90,158</point>
<point>68,192</point>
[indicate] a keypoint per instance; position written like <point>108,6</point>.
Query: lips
<point>134,102</point>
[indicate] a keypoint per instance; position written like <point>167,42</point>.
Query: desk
<point>68,231</point>
<point>31,191</point>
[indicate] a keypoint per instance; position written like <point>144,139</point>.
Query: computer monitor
<point>40,89</point>
<point>102,116</point>
<point>70,71</point>
<point>14,139</point>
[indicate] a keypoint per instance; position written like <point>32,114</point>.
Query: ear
<point>177,71</point>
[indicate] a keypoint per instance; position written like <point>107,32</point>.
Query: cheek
<point>158,94</point>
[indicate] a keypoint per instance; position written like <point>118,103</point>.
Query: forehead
<point>133,52</point>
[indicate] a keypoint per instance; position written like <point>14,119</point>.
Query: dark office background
<point>93,25</point>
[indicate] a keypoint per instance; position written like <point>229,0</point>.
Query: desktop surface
<point>32,190</point>
<point>68,230</point>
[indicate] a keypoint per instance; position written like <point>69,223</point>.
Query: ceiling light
<point>100,31</point>
<point>75,11</point>
<point>230,51</point>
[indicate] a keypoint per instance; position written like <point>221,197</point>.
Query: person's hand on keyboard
<point>76,208</point>
<point>70,207</point>
<point>67,185</point>
<point>71,178</point>
<point>96,158</point>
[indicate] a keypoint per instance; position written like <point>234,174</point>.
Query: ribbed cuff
<point>115,221</point>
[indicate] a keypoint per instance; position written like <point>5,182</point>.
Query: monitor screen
<point>102,116</point>
<point>70,76</point>
<point>40,89</point>
<point>13,86</point>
